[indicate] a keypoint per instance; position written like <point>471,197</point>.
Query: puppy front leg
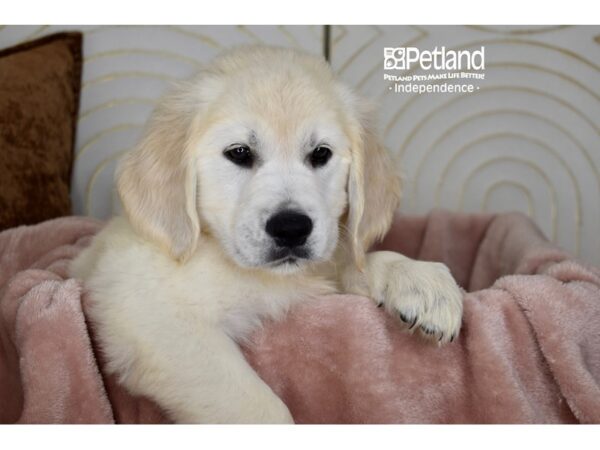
<point>422,294</point>
<point>204,378</point>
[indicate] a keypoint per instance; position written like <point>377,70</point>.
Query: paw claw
<point>406,319</point>
<point>412,325</point>
<point>427,330</point>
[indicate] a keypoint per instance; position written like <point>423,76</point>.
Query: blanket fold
<point>529,349</point>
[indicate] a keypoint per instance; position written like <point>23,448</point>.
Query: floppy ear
<point>373,184</point>
<point>157,180</point>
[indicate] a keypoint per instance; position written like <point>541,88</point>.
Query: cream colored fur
<point>183,276</point>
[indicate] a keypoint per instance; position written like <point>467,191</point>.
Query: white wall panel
<point>528,139</point>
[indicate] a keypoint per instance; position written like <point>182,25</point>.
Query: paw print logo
<point>394,58</point>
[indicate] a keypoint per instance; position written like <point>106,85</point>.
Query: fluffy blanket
<point>529,350</point>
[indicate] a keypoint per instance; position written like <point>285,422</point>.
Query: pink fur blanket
<point>529,350</point>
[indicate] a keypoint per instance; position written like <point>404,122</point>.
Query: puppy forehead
<point>266,123</point>
<point>267,136</point>
<point>279,107</point>
<point>277,90</point>
<point>279,122</point>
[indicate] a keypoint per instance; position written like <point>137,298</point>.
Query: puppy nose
<point>289,228</point>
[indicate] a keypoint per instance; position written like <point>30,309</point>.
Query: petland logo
<point>403,58</point>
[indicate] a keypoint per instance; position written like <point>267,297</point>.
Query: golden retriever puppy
<point>258,183</point>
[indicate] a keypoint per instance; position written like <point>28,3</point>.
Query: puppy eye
<point>320,156</point>
<point>240,155</point>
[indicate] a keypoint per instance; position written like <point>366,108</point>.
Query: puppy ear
<point>157,180</point>
<point>373,185</point>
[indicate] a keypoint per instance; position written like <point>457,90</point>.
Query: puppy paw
<point>423,295</point>
<point>263,406</point>
<point>276,413</point>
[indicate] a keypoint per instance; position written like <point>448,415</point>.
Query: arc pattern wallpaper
<point>528,139</point>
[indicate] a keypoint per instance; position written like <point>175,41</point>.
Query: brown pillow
<point>39,100</point>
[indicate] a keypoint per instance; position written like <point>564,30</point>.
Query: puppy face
<point>273,171</point>
<point>266,152</point>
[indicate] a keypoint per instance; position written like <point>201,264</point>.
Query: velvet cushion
<point>39,101</point>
